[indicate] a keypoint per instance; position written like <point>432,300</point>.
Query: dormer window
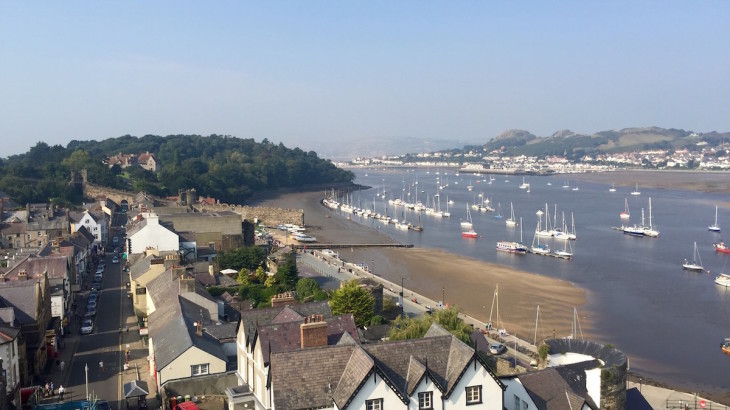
<point>425,400</point>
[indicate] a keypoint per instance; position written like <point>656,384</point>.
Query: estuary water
<point>670,322</point>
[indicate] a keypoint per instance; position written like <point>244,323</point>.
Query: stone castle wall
<point>265,215</point>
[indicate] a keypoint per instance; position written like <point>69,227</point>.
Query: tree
<point>287,273</point>
<point>250,257</point>
<point>243,277</point>
<point>270,281</point>
<point>406,328</point>
<point>260,274</point>
<point>351,298</point>
<point>306,287</point>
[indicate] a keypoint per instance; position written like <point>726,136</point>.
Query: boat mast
<point>537,317</point>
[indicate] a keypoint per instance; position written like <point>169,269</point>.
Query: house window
<point>376,404</point>
<point>473,395</point>
<point>40,233</point>
<point>425,400</point>
<point>199,369</point>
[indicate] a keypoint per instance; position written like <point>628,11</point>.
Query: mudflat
<point>467,283</point>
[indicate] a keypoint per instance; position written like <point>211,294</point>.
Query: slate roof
<point>55,266</point>
<point>258,317</point>
<point>14,228</point>
<point>282,337</point>
<point>140,266</point>
<point>7,315</point>
<point>216,280</point>
<point>8,333</point>
<point>335,373</point>
<point>171,328</point>
<point>136,227</point>
<point>20,295</point>
<point>549,390</point>
<point>223,332</point>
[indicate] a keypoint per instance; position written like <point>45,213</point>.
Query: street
<point>104,344</point>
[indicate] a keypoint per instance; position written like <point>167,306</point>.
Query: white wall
<point>491,391</point>
<point>155,236</point>
<point>593,384</point>
<point>375,388</point>
<point>180,367</point>
<point>515,388</point>
<point>426,385</point>
<point>9,354</point>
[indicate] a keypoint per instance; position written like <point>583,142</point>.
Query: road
<point>104,344</point>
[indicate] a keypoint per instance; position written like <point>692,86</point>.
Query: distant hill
<point>566,142</point>
<point>383,146</point>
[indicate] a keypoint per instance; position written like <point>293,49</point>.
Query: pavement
<point>661,398</point>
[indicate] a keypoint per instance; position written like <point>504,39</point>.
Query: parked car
<point>98,277</point>
<point>115,259</point>
<point>93,296</point>
<point>87,327</point>
<point>115,240</point>
<point>95,287</point>
<point>91,303</point>
<point>497,348</point>
<point>90,312</point>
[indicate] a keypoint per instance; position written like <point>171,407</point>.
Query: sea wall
<point>265,215</point>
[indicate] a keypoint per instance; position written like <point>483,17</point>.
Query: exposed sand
<point>468,283</point>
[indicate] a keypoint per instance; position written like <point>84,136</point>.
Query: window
<point>425,400</point>
<point>40,233</point>
<point>376,404</point>
<point>199,369</point>
<point>473,395</point>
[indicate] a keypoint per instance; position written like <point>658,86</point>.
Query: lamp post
<point>443,298</point>
<point>402,312</point>
<point>86,370</point>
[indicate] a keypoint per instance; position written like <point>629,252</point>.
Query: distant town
<point>701,156</point>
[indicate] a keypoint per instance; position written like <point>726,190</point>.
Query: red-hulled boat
<point>470,234</point>
<point>721,247</point>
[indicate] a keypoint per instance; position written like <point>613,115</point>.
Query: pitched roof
<point>550,391</point>
<point>56,267</point>
<point>20,295</point>
<point>282,337</point>
<point>258,317</point>
<point>335,373</point>
<point>140,267</point>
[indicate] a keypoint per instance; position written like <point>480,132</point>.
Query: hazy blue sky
<point>309,73</point>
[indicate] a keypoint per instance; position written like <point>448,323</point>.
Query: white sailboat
<point>524,184</point>
<point>714,227</point>
<point>544,231</point>
<point>511,221</point>
<point>446,213</point>
<point>536,247</point>
<point>696,264</point>
<point>467,223</point>
<point>613,188</point>
<point>636,191</point>
<point>649,230</point>
<point>565,253</point>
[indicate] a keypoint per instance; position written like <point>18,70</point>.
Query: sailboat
<point>636,191</point>
<point>696,264</point>
<point>545,231</point>
<point>467,223</point>
<point>511,221</point>
<point>625,214</point>
<point>490,325</point>
<point>564,253</point>
<point>498,214</point>
<point>446,213</point>
<point>471,233</point>
<point>714,227</point>
<point>524,184</point>
<point>649,230</point>
<point>536,247</point>
<point>613,188</point>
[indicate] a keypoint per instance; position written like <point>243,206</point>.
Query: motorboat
<point>725,346</point>
<point>723,279</point>
<point>511,247</point>
<point>721,247</point>
<point>471,234</point>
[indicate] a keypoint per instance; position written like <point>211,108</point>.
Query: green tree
<point>270,281</point>
<point>250,257</point>
<point>260,274</point>
<point>351,298</point>
<point>306,287</point>
<point>286,272</point>
<point>404,328</point>
<point>243,277</point>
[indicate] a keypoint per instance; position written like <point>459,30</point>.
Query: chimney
<point>3,279</point>
<point>23,275</point>
<point>283,299</point>
<point>186,285</point>
<point>313,332</point>
<point>199,328</point>
<point>211,271</point>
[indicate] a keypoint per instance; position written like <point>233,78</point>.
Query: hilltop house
<point>148,161</point>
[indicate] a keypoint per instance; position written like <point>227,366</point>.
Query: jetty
<point>351,245</point>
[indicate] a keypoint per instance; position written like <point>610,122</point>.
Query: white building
<point>95,223</point>
<point>149,234</point>
<point>10,355</point>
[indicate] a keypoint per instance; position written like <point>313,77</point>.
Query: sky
<point>331,73</point>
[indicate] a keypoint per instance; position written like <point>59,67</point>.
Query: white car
<point>87,327</point>
<point>497,348</point>
<point>115,260</point>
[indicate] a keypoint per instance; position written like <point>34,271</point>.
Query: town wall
<point>265,215</point>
